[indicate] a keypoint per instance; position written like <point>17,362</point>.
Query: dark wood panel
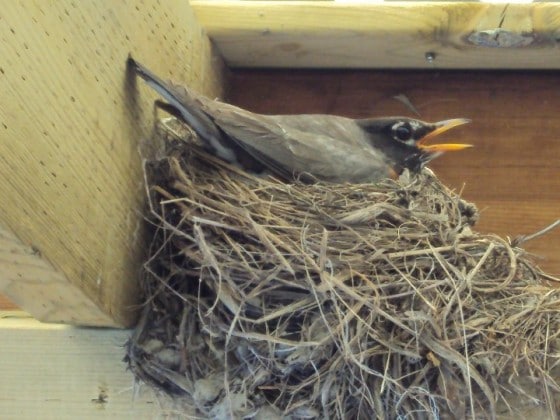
<point>514,217</point>
<point>364,93</point>
<point>499,182</point>
<point>513,173</point>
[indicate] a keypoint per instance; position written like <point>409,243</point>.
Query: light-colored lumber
<point>327,34</point>
<point>71,123</point>
<point>37,286</point>
<point>61,372</point>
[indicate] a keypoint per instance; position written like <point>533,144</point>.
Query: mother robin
<point>308,146</point>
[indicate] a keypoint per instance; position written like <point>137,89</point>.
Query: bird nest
<point>274,300</point>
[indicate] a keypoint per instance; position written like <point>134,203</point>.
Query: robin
<point>308,147</point>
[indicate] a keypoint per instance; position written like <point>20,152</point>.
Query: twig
<point>525,238</point>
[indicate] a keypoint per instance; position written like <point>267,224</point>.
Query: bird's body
<point>316,146</point>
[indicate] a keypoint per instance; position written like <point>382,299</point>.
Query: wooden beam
<point>327,34</point>
<point>511,173</point>
<point>44,291</point>
<point>72,126</point>
<point>62,372</point>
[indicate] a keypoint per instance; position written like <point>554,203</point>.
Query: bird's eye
<point>402,131</point>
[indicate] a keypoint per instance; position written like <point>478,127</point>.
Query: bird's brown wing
<point>290,151</point>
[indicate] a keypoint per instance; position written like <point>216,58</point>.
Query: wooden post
<point>71,123</point>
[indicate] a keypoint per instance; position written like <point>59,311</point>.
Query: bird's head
<point>404,140</point>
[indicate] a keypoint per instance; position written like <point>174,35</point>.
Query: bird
<point>306,147</point>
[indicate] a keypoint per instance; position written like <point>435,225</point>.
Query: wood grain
<point>512,173</point>
<point>36,285</point>
<point>327,34</point>
<point>61,372</point>
<point>71,127</point>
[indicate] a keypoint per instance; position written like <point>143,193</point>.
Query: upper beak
<point>442,127</point>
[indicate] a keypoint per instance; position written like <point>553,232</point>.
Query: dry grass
<point>334,301</point>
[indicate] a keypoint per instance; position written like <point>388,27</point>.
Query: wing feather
<point>290,151</point>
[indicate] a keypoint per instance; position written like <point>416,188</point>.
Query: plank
<point>36,285</point>
<point>511,173</point>
<point>73,126</point>
<point>327,34</point>
<point>61,372</point>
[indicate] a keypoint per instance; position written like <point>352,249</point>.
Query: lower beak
<point>442,127</point>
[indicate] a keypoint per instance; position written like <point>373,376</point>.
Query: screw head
<point>430,56</point>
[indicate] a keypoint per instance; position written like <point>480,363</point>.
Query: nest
<point>274,300</point>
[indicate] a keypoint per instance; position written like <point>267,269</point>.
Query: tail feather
<point>188,108</point>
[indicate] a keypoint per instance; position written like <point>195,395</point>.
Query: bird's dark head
<point>405,139</point>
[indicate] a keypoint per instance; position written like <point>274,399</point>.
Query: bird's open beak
<point>442,127</point>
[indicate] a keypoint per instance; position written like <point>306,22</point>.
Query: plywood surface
<point>511,174</point>
<point>34,283</point>
<point>71,126</point>
<point>61,372</point>
<point>327,34</point>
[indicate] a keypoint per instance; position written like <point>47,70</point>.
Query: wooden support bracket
<point>71,125</point>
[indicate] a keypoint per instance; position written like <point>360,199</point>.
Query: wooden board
<point>7,304</point>
<point>326,34</point>
<point>36,285</point>
<point>61,372</point>
<point>71,125</point>
<point>511,174</point>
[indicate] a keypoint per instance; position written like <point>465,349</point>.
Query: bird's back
<point>328,147</point>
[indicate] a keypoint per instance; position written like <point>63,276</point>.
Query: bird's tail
<point>187,106</point>
<point>159,85</point>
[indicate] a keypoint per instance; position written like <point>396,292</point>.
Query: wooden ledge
<point>62,372</point>
<point>326,34</point>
